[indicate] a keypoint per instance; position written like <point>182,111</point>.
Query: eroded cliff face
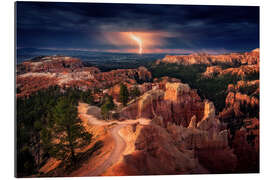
<point>246,148</point>
<point>202,147</point>
<point>248,58</point>
<point>242,100</point>
<point>154,153</point>
<point>176,104</point>
<point>242,115</point>
<point>52,64</point>
<point>238,64</point>
<point>241,71</point>
<point>241,111</point>
<point>151,150</point>
<point>64,71</point>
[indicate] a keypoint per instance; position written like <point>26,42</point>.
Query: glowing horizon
<point>146,41</point>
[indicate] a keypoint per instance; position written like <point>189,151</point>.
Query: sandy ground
<point>91,114</point>
<point>114,156</point>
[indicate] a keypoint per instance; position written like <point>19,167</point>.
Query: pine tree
<point>68,131</point>
<point>107,106</point>
<point>124,94</point>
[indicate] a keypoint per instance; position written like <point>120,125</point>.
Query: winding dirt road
<point>120,143</point>
<point>120,146</point>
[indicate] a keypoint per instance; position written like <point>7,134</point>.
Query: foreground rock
<point>202,147</point>
<point>151,151</point>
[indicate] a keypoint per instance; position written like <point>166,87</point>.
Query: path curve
<point>120,143</point>
<point>120,146</point>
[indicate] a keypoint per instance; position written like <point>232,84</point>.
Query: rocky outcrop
<point>193,122</point>
<point>175,149</point>
<point>168,147</point>
<point>243,71</point>
<point>155,142</point>
<point>209,122</point>
<point>52,64</point>
<point>239,64</point>
<point>186,59</point>
<point>176,104</point>
<point>247,152</point>
<point>237,105</point>
<point>175,90</point>
<point>144,74</point>
<point>33,82</point>
<point>208,131</point>
<point>161,82</point>
<point>155,153</point>
<point>212,71</point>
<point>242,116</point>
<point>248,58</point>
<point>250,87</point>
<point>69,72</point>
<point>115,90</point>
<point>242,100</point>
<point>208,140</point>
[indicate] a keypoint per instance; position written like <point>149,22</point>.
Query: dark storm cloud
<point>80,25</point>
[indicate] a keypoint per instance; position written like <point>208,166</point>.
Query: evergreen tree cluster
<point>124,94</point>
<point>48,126</point>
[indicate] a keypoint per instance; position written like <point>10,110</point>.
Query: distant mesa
<point>232,59</point>
<point>256,50</point>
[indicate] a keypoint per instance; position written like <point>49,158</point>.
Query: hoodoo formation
<point>168,126</point>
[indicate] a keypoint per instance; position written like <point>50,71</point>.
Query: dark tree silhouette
<point>68,131</point>
<point>124,94</point>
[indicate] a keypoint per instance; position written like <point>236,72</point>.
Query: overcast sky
<point>161,28</point>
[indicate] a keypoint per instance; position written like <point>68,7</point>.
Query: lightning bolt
<point>138,40</point>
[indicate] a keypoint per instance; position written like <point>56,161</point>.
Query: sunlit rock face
<point>49,64</point>
<point>241,112</point>
<point>242,71</point>
<point>239,64</point>
<point>42,72</point>
<point>153,152</point>
<point>176,104</point>
<point>247,58</point>
<point>208,140</point>
<point>212,71</point>
<point>242,100</point>
<point>203,142</point>
<point>175,90</point>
